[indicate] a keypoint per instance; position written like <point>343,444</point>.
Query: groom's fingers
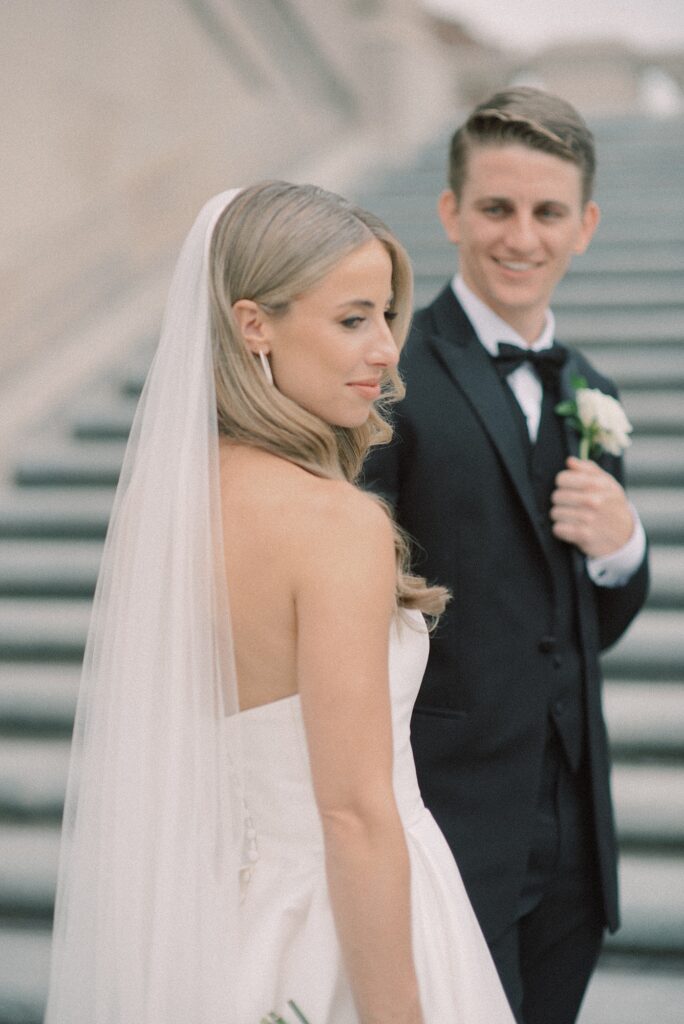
<point>589,508</point>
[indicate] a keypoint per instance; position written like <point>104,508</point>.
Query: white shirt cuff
<point>615,569</point>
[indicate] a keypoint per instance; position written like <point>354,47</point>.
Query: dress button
<point>547,644</point>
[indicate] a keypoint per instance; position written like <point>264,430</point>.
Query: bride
<point>243,824</point>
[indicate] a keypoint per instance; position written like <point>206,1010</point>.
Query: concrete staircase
<point>623,304</point>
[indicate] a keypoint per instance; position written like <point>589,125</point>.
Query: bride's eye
<point>352,321</point>
<point>390,315</point>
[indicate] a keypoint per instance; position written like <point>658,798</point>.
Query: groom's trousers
<point>545,959</point>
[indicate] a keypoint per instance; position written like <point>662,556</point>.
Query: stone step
<point>43,630</point>
<point>111,421</point>
<point>654,257</point>
<point>662,512</point>
<point>24,967</point>
<point>582,289</point>
<point>656,461</point>
<point>633,994</point>
<point>55,513</point>
<point>33,776</point>
<point>652,901</point>
<point>38,698</point>
<point>645,719</point>
<point>76,464</point>
<point>653,648</point>
<point>581,326</point>
<point>654,412</point>
<point>48,568</point>
<point>667,577</point>
<point>649,807</point>
<point>29,856</point>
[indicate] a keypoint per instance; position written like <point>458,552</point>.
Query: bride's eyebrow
<point>365,303</point>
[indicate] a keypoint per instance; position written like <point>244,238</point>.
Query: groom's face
<point>517,223</point>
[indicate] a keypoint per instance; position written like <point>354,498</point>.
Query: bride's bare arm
<point>344,602</point>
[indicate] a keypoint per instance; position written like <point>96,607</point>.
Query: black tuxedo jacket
<point>457,477</point>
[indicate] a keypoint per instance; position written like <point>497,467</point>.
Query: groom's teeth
<point>516,266</point>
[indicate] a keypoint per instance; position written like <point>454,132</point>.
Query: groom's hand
<point>589,508</point>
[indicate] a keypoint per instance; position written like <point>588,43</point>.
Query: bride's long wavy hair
<point>288,238</point>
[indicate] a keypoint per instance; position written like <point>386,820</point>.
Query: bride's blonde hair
<point>273,242</point>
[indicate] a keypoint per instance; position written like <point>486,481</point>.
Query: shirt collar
<point>491,329</point>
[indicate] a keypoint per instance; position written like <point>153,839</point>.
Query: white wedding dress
<point>289,948</point>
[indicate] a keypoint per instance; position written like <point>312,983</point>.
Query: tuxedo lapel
<point>458,348</point>
<point>570,370</point>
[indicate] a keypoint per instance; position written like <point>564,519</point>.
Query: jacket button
<point>547,644</point>
<point>559,707</point>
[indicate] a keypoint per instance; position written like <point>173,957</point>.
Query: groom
<point>545,557</point>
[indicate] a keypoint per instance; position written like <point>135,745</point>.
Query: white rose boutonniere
<point>598,418</point>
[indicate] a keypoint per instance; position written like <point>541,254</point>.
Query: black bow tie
<point>548,363</point>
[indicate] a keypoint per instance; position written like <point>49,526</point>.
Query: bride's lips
<point>367,388</point>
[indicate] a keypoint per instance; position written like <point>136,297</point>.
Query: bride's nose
<point>384,351</point>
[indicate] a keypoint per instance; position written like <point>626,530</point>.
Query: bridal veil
<point>148,883</point>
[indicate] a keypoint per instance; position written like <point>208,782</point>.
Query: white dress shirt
<point>611,570</point>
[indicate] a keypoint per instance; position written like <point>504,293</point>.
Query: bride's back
<point>270,508</point>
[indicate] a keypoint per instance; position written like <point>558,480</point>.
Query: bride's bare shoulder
<point>289,500</point>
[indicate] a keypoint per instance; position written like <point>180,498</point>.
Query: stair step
<point>649,805</point>
<point>655,411</point>
<point>653,366</point>
<point>24,968</point>
<point>617,995</point>
<point>29,856</point>
<point>40,698</point>
<point>662,512</point>
<point>109,423</point>
<point>43,630</point>
<point>49,568</point>
<point>33,776</point>
<point>645,719</point>
<point>656,461</point>
<point>652,900</point>
<point>594,287</point>
<point>50,512</point>
<point>653,647</point>
<point>667,577</point>
<point>82,464</point>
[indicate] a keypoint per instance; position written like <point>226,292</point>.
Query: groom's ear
<point>254,324</point>
<point>449,214</point>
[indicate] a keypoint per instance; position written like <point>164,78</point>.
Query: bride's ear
<point>254,325</point>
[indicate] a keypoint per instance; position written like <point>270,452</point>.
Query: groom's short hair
<point>527,117</point>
